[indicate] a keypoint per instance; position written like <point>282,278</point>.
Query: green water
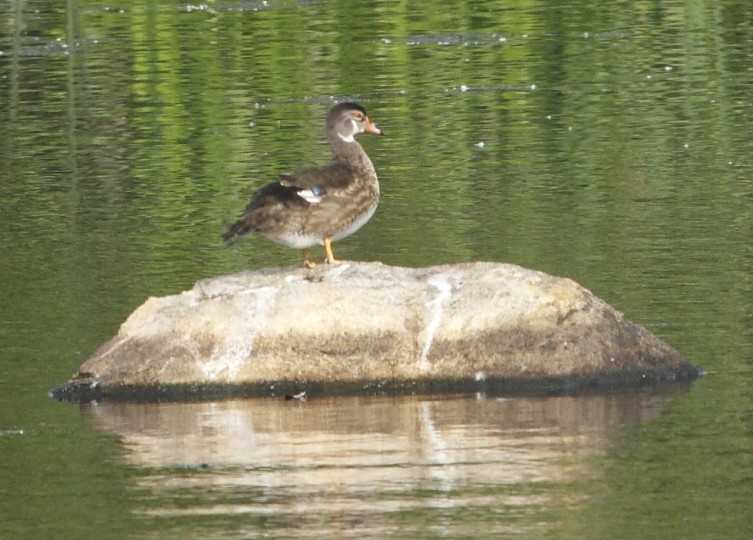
<point>608,142</point>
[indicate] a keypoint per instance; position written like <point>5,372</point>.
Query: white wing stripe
<point>309,196</point>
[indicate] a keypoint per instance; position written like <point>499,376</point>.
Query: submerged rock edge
<point>88,390</point>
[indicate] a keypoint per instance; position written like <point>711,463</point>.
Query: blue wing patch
<point>312,195</point>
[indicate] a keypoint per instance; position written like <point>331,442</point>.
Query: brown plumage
<point>318,205</point>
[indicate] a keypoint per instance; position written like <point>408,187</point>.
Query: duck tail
<point>237,230</point>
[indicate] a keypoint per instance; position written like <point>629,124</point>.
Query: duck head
<point>347,120</point>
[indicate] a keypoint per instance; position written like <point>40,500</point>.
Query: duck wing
<point>320,180</point>
<point>280,205</point>
<point>272,207</point>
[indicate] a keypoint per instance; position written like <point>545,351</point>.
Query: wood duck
<point>318,205</point>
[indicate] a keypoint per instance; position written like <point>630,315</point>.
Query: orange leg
<point>330,255</point>
<point>307,262</point>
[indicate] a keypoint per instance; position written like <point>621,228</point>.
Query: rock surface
<point>366,326</point>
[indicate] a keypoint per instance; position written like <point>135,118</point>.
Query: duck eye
<point>358,115</point>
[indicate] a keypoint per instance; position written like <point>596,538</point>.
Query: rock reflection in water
<point>363,456</point>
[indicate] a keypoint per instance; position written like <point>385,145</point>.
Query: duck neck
<point>353,154</point>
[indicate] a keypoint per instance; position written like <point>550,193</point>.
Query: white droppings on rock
<point>444,284</point>
<point>114,347</point>
<point>338,270</point>
<point>234,347</point>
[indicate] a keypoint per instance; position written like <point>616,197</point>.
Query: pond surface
<point>608,142</point>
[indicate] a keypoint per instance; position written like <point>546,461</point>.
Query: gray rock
<point>370,327</point>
